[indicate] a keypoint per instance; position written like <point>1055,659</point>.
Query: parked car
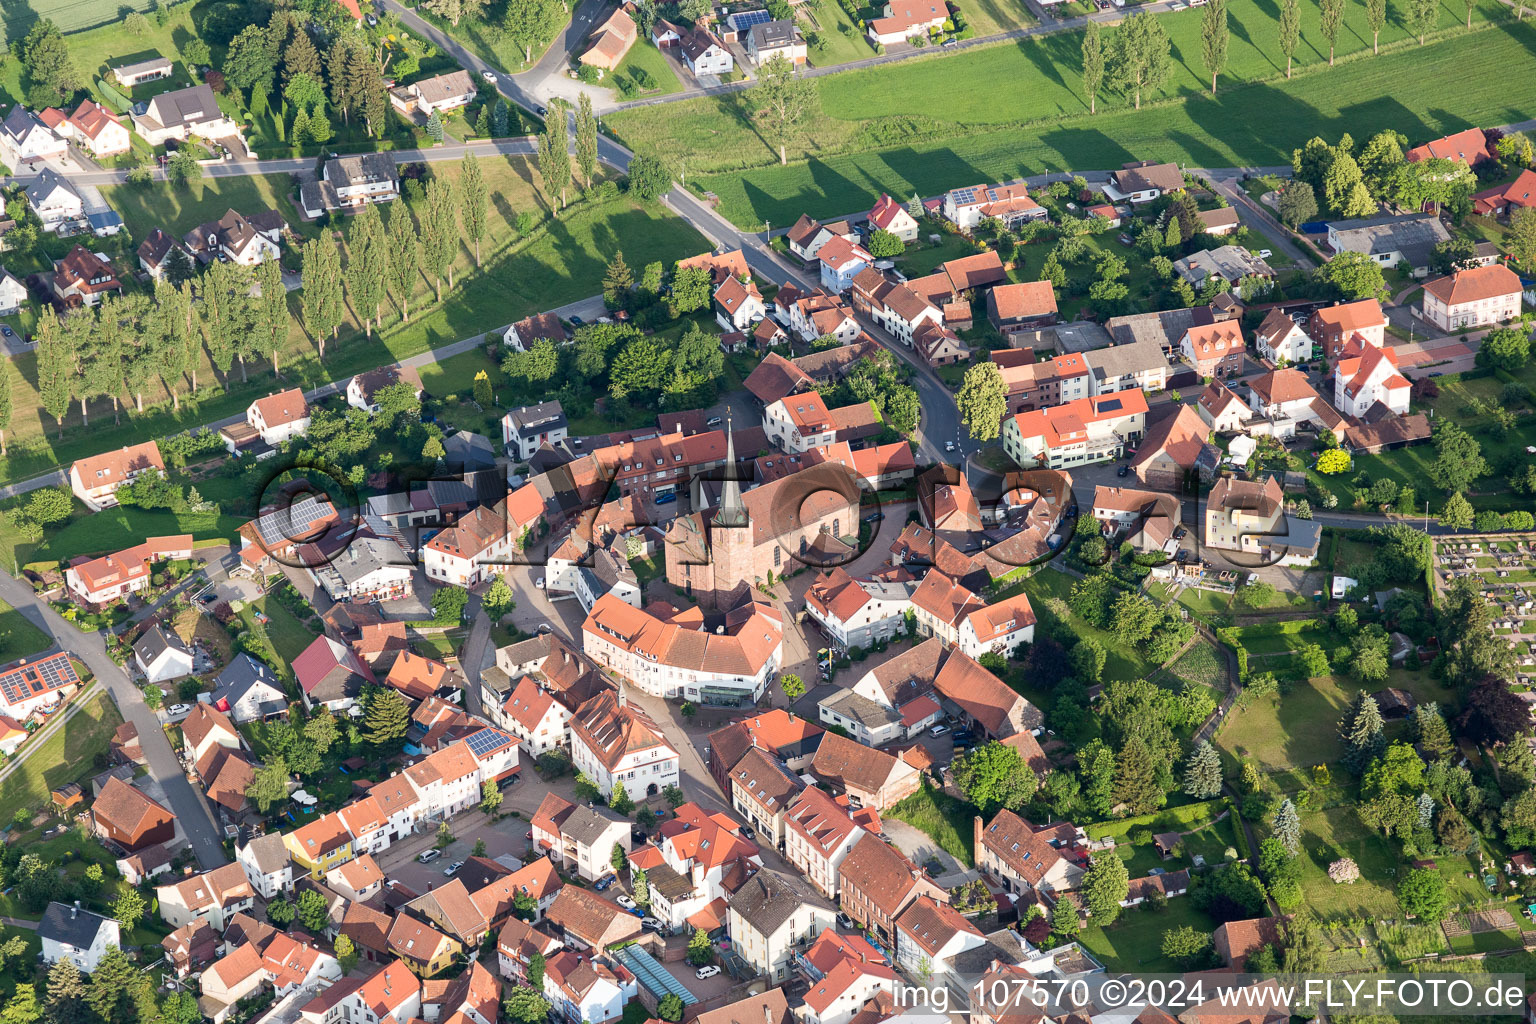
<point>452,869</point>
<point>746,831</point>
<point>542,112</point>
<point>651,923</point>
<point>1124,470</point>
<point>938,730</point>
<point>624,901</point>
<point>179,709</point>
<point>844,921</point>
<point>428,856</point>
<point>638,835</point>
<point>1264,254</point>
<point>576,321</point>
<point>605,882</point>
<point>713,421</point>
<point>489,76</point>
<point>6,330</point>
<point>707,972</point>
<point>539,583</point>
<point>874,518</point>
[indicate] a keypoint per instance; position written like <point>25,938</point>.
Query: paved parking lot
<point>504,837</point>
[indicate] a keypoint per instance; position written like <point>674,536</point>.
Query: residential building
<point>1140,365</point>
<point>1480,297</point>
<point>770,916</point>
<point>1249,517</point>
<point>1504,200</point>
<point>1076,433</point>
<point>761,791</point>
<point>1023,859</point>
<point>76,934</point>
<point>84,278</point>
<point>248,691</point>
<point>841,261</point>
<point>1214,350</point>
<point>807,236</point>
<point>1281,339</point>
<point>610,41</point>
<point>131,76</point>
<point>818,836</point>
<point>1398,241</point>
<point>1220,408</point>
<point>526,429</point>
<point>704,53</point>
<point>791,739</point>
<point>1047,383</point>
<point>738,304</point>
<point>1009,204</point>
<point>614,742</point>
<point>876,883</point>
<point>769,39</point>
<point>124,815</point>
<point>182,114</point>
<point>331,675</point>
<point>535,717</point>
<point>586,920</point>
<point>367,569</point>
<point>389,993</point>
<point>1333,327</point>
<point>847,973</point>
<point>469,552</point>
<point>1471,147</point>
<point>1218,222</point>
<point>539,327</point>
<point>889,215</point>
<point>363,389</point>
<point>279,417</point>
<point>25,140</point>
<point>900,20</point>
<point>868,777</point>
<point>266,865</point>
<point>111,578</point>
<point>860,612</point>
<point>1143,182</point>
<point>12,293</point>
<point>516,946</point>
<point>55,201</point>
<point>162,655</point>
<point>214,896</point>
<point>1364,376</point>
<point>435,95</point>
<point>585,989</point>
<point>36,684</point>
<point>587,838</point>
<point>190,947</point>
<point>1245,272</point>
<point>1285,399</point>
<point>96,129</point>
<point>155,252</point>
<point>930,934</point>
<point>348,183</point>
<point>959,618</point>
<point>238,238</point>
<point>797,423</point>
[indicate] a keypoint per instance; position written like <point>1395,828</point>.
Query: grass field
<point>65,755</point>
<point>922,141</point>
<point>69,15</point>
<point>289,636</point>
<point>947,821</point>
<point>645,56</point>
<point>18,637</point>
<point>560,261</point>
<point>95,533</point>
<point>1135,941</point>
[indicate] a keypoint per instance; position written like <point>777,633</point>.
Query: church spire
<point>731,511</point>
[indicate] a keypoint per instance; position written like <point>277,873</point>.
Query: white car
<point>651,923</point>
<point>949,446</point>
<point>539,583</point>
<point>624,901</point>
<point>179,709</point>
<point>453,869</point>
<point>707,972</point>
<point>428,856</point>
<point>489,76</point>
<point>938,730</point>
<point>1265,254</point>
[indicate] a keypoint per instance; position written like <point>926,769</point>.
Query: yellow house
<point>425,950</point>
<point>321,845</point>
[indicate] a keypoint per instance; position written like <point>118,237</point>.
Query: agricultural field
<point>1039,123</point>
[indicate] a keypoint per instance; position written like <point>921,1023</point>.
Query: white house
<point>363,389</point>
<point>24,138</point>
<point>248,691</point>
<point>533,715</point>
<point>12,293</point>
<point>859,612</point>
<point>1363,377</point>
<point>97,129</point>
<point>1286,400</point>
<point>70,931</point>
<point>900,20</point>
<point>352,182</point>
<point>1480,297</point>
<point>587,838</point>
<point>738,304</point>
<point>841,261</point>
<point>183,113</point>
<point>442,93</point>
<point>769,39</point>
<point>584,987</point>
<point>279,417</point>
<point>266,865</point>
<point>526,429</point>
<point>470,551</point>
<point>615,743</point>
<point>798,423</point>
<point>238,238</point>
<point>162,655</point>
<point>770,916</point>
<point>929,935</point>
<point>54,200</point>
<point>1143,182</point>
<point>1281,338</point>
<point>889,215</point>
<point>131,76</point>
<point>704,53</point>
<point>818,834</point>
<point>214,896</point>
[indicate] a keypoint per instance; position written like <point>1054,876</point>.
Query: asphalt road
<point>191,811</point>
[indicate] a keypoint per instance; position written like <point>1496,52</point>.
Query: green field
<point>18,637</point>
<point>65,755</point>
<point>69,15</point>
<point>946,820</point>
<point>1123,662</point>
<point>1135,941</point>
<point>930,133</point>
<point>644,55</point>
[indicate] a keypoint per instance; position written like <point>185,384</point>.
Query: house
<point>516,946</point>
<point>1214,350</point>
<point>348,183</point>
<point>1021,858</point>
<point>330,674</point>
<point>1391,241</point>
<point>1480,297</point>
<point>24,138</point>
<point>1503,200</point>
<point>248,691</point>
<point>12,293</point>
<point>279,417</point>
<point>1286,400</point>
<point>1008,204</point>
<point>894,306</point>
<point>1144,519</point>
<point>889,215</point>
<point>111,578</point>
<point>1086,430</point>
<point>1235,940</point>
<point>771,916</point>
<point>588,921</point>
<point>77,934</point>
<point>1470,147</point>
<point>1175,448</point>
<point>610,41</point>
<point>761,790</point>
<point>131,76</point>
<point>1013,308</point>
<point>900,20</point>
<point>586,841</point>
<point>958,617</point>
<point>1280,339</point>
<point>704,54</point>
<point>1139,365</point>
<point>390,992</point>
<point>124,815</point>
<point>97,129</point>
<point>1220,221</point>
<point>162,655</point>
<point>1249,517</point>
<point>738,304</point>
<point>818,836</point>
<point>183,113</point>
<point>83,278</point>
<point>189,947</point>
<point>155,253</point>
<point>841,261</point>
<point>1143,182</point>
<point>798,423</point>
<point>205,728</point>
<point>1048,382</point>
<point>238,238</point>
<point>1220,408</point>
<point>769,39</point>
<point>363,389</point>
<point>807,236</point>
<point>582,987</point>
<point>769,1008</point>
<point>876,883</point>
<point>930,933</point>
<point>367,569</point>
<point>214,897</point>
<point>859,612</point>
<point>539,326</point>
<point>55,201</point>
<point>266,865</point>
<point>12,735</point>
<point>790,738</point>
<point>847,973</point>
<point>868,777</point>
<point>1168,885</point>
<point>615,743</point>
<point>472,549</point>
<point>1240,268</point>
<point>434,95</point>
<point>37,684</point>
<point>1333,327</point>
<point>1364,376</point>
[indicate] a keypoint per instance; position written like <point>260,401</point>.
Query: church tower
<point>730,530</point>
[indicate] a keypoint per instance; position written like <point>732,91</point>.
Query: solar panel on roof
<point>1109,405</point>
<point>25,681</point>
<point>485,741</point>
<point>965,195</point>
<point>746,19</point>
<point>297,520</point>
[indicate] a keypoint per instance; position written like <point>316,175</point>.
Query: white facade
<point>266,883</point>
<point>770,952</point>
<point>170,663</point>
<point>676,681</point>
<point>603,1001</point>
<point>657,766</point>
<point>1293,345</point>
<point>108,933</point>
<point>798,423</point>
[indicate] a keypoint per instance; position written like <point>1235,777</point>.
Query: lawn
<point>67,754</point>
<point>991,17</point>
<point>1122,663</point>
<point>18,637</point>
<point>179,210</point>
<point>560,261</point>
<point>923,142</point>
<point>289,636</point>
<point>644,56</point>
<point>841,39</point>
<point>1135,941</point>
<point>946,820</point>
<point>97,533</point>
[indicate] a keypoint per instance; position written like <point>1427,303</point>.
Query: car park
<point>452,869</point>
<point>428,856</point>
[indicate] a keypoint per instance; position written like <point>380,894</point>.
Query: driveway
<point>920,850</point>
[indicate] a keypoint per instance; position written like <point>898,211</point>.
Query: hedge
<point>1183,818</point>
<point>1228,636</point>
<point>1285,627</point>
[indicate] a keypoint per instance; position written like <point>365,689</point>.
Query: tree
<point>1214,36</point>
<point>313,911</point>
<point>497,600</point>
<point>1344,190</point>
<point>367,265</point>
<point>346,953</point>
<point>1288,827</point>
<point>586,140</point>
<point>1140,55</point>
<point>66,994</point>
<point>1330,16</point>
<point>883,244</point>
<point>1353,275</point>
<point>1520,240</point>
<point>1093,64</point>
<point>1421,894</point>
<point>691,289</point>
<point>639,884</point>
<point>554,156</point>
<point>434,127</point>
<point>473,201</point>
<point>530,23</point>
<point>1457,514</point>
<point>322,306</point>
<point>454,10</point>
<point>269,784</point>
<point>280,912</point>
<point>385,717</point>
<point>23,1008</point>
<point>46,60</point>
<point>305,92</point>
<point>1459,458</point>
<point>1136,784</point>
<point>321,730</point>
<point>1492,713</point>
<point>1376,17</point>
<point>649,178</point>
<point>700,951</point>
<point>1361,729</point>
<point>129,909</point>
<point>995,777</point>
<point>792,685</point>
<point>439,240</point>
<point>1422,16</point>
<point>618,280</point>
<point>670,1007</point>
<point>1089,657</point>
<point>1290,31</point>
<point>1187,946</point>
<point>402,254</point>
<point>525,1005</point>
<point>1506,348</point>
<point>1202,772</point>
<point>252,59</point>
<point>1105,884</point>
<point>783,102</point>
<point>983,400</point>
<point>1434,738</point>
<point>299,58</point>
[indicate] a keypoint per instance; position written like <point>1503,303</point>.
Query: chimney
<point>75,911</point>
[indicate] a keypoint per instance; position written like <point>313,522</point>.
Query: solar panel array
<point>965,195</point>
<point>297,520</point>
<point>487,740</point>
<point>1110,405</point>
<point>26,681</point>
<point>746,19</point>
